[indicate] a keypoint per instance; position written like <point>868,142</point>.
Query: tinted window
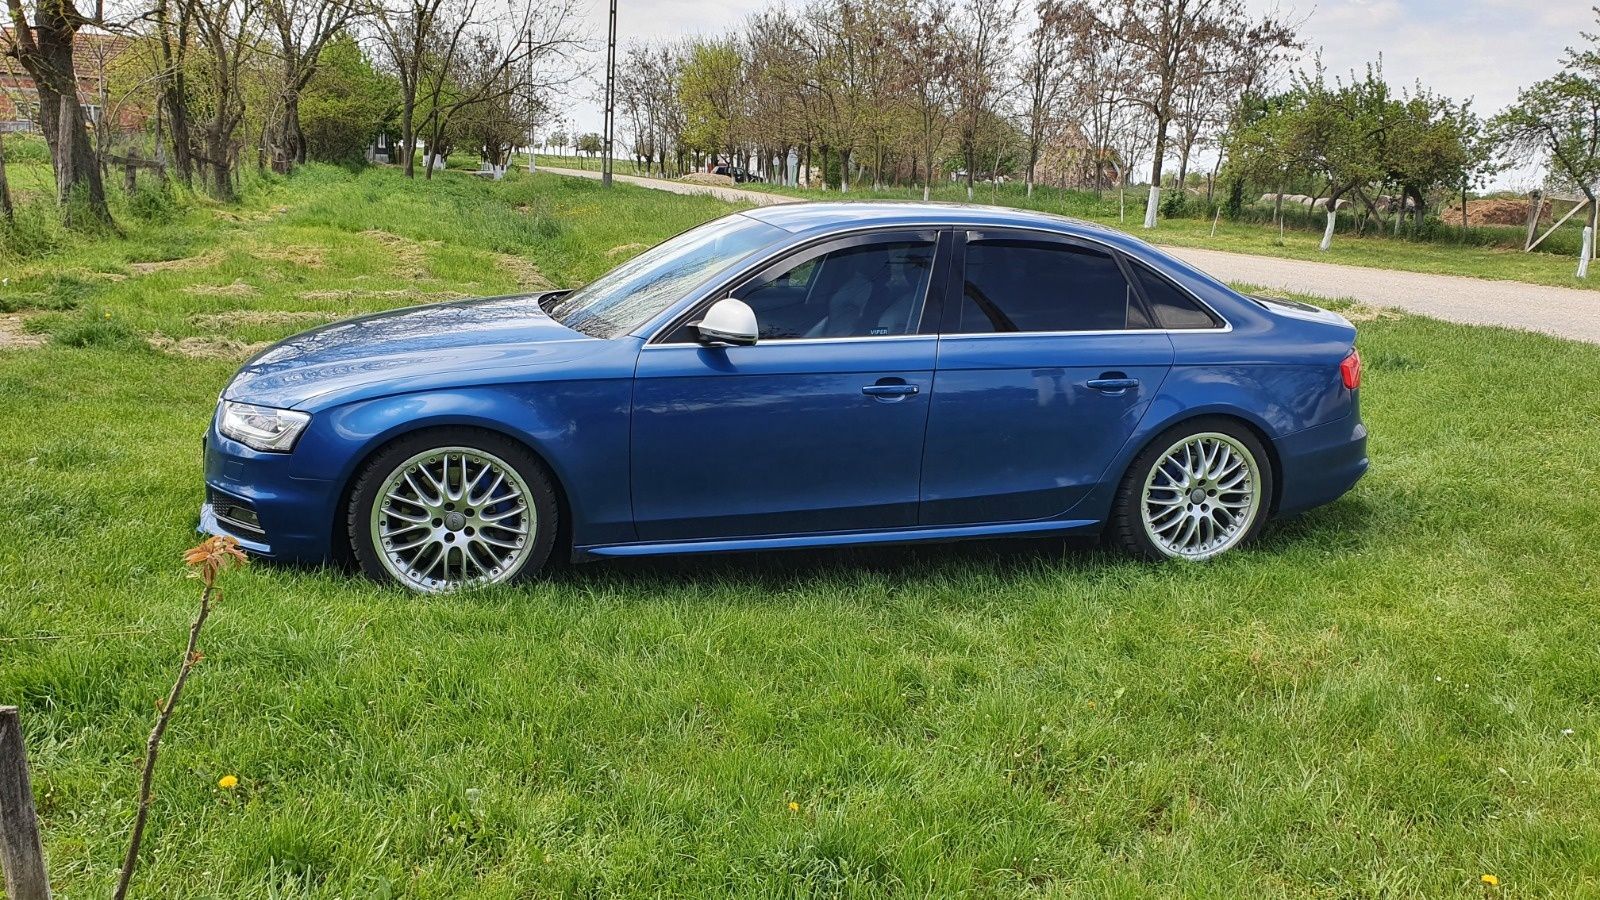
<point>863,291</point>
<point>1173,307</point>
<point>1026,286</point>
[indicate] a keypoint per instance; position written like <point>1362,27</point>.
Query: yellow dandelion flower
<point>228,782</point>
<point>793,806</point>
<point>1491,880</point>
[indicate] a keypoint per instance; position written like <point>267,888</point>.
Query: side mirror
<point>728,321</point>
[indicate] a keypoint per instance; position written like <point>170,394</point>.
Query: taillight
<point>1350,370</point>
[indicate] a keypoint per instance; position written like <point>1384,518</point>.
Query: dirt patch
<point>247,317</point>
<point>236,289</point>
<point>405,294</point>
<point>208,258</point>
<point>526,273</point>
<point>410,257</point>
<point>205,347</point>
<point>624,250</point>
<point>14,334</point>
<point>708,178</point>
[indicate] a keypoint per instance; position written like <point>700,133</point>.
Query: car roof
<point>823,217</point>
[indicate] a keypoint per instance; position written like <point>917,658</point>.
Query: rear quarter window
<point>1173,308</point>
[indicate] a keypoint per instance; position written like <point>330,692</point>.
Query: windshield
<point>629,295</point>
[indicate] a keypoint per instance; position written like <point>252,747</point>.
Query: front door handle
<point>890,389</point>
<point>1113,385</point>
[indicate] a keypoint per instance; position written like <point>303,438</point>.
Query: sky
<point>1482,49</point>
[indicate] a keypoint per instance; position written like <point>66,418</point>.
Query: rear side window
<point>1022,286</point>
<point>1173,308</point>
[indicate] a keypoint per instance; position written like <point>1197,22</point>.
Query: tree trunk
<point>408,135</point>
<point>1327,233</point>
<point>5,189</point>
<point>45,52</point>
<point>1154,200</point>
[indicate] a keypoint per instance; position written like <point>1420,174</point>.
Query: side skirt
<point>838,539</point>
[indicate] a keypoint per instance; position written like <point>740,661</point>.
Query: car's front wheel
<point>447,508</point>
<point>1198,490</point>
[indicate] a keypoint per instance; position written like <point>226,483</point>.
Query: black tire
<point>541,500</point>
<point>1126,529</point>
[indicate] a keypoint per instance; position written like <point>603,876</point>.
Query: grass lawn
<point>1372,250</point>
<point>1392,696</point>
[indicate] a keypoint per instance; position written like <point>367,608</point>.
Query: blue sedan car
<point>804,375</point>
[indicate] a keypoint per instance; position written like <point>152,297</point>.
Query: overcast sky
<point>1483,49</point>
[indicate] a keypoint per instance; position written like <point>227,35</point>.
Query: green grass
<point>1388,697</point>
<point>1372,250</point>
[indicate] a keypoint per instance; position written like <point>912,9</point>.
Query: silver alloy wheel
<point>453,516</point>
<point>1202,496</point>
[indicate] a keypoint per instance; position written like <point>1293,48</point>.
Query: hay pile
<point>1496,211</point>
<point>708,178</point>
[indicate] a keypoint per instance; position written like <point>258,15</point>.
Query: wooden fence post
<point>21,854</point>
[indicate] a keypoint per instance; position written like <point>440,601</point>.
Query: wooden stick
<point>21,853</point>
<point>152,746</point>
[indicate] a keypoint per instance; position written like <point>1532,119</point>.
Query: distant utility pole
<point>611,98</point>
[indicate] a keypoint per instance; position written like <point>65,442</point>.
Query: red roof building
<point>94,55</point>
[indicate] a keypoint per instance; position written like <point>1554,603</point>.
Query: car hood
<point>408,349</point>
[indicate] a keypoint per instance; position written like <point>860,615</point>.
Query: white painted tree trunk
<point>1153,201</point>
<point>1587,253</point>
<point>1327,233</point>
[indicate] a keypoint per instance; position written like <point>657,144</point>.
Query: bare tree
<point>226,33</point>
<point>450,55</point>
<point>983,38</point>
<point>299,30</point>
<point>1041,79</point>
<point>1101,81</point>
<point>170,42</point>
<point>927,72</point>
<point>1178,42</point>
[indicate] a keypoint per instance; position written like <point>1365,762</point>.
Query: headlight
<point>261,427</point>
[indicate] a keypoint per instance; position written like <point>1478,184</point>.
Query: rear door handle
<point>889,390</point>
<point>1113,385</point>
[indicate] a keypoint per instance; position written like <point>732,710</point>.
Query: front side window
<point>870,290</point>
<point>639,289</point>
<point>1023,286</point>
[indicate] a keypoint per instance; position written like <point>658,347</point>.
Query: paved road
<point>1565,312</point>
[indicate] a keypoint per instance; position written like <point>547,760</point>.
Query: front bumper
<point>294,515</point>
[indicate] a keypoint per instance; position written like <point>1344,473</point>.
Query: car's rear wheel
<point>444,509</point>
<point>1198,490</point>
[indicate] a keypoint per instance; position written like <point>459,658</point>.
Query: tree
<point>172,40</point>
<point>709,87</point>
<point>345,103</point>
<point>983,36</point>
<point>44,48</point>
<point>226,33</point>
<point>301,29</point>
<point>1179,42</point>
<point>1102,78</point>
<point>1043,63</point>
<point>927,78</point>
<point>1558,119</point>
